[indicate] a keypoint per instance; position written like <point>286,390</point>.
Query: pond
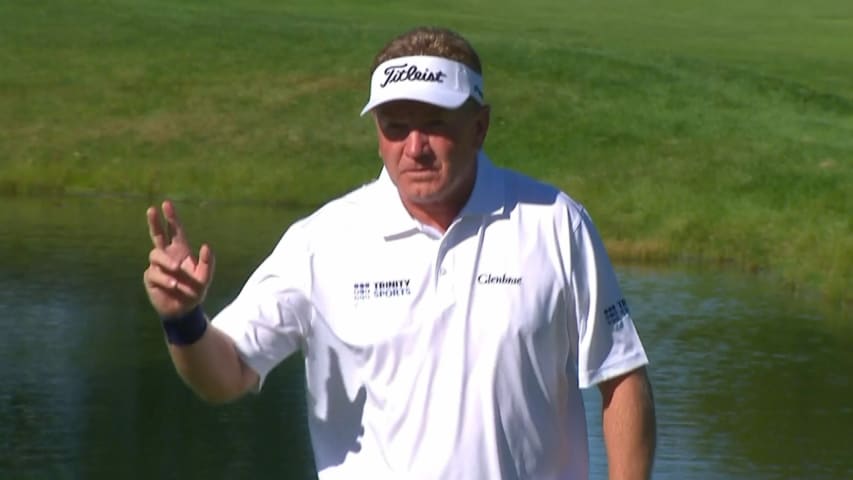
<point>750,383</point>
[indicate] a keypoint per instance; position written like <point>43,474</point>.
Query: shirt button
<point>443,271</point>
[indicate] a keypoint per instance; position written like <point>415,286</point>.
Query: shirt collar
<point>391,216</point>
<point>487,199</point>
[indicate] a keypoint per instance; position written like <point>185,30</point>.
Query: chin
<point>421,189</point>
<point>423,196</point>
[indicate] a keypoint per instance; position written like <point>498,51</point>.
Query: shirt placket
<point>444,273</point>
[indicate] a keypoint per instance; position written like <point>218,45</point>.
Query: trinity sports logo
<point>382,289</point>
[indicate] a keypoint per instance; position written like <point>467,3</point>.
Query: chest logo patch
<point>382,289</point>
<point>502,279</point>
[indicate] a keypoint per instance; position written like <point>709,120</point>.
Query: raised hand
<point>174,280</point>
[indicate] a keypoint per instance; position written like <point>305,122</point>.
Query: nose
<point>417,143</point>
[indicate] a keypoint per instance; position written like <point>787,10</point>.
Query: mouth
<point>419,172</point>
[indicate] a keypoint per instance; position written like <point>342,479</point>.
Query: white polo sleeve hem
<point>258,364</point>
<point>264,334</point>
<point>625,365</point>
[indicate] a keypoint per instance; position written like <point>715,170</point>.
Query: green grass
<point>693,131</point>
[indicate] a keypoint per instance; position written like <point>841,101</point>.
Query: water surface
<point>749,383</point>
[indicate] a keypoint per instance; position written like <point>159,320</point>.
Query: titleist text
<point>408,73</point>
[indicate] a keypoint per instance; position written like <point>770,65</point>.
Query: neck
<point>438,215</point>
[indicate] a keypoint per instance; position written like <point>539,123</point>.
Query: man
<point>448,312</point>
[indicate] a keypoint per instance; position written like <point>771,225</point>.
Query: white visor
<point>435,80</point>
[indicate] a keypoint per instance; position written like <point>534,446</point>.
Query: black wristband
<point>186,329</point>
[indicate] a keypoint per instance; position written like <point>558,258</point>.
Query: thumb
<point>206,265</point>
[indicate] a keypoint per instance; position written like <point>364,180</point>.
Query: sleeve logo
<point>615,313</point>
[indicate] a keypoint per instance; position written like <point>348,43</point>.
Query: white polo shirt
<point>454,356</point>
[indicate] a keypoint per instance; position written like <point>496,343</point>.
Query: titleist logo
<point>407,73</point>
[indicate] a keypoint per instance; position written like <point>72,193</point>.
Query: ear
<point>481,125</point>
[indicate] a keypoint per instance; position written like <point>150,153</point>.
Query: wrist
<point>186,329</point>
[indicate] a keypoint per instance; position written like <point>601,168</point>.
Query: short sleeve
<point>608,344</point>
<point>271,316</point>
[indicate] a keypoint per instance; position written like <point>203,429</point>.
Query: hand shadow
<point>341,430</point>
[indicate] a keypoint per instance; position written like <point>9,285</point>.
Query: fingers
<point>168,301</point>
<point>161,237</point>
<point>179,284</point>
<point>164,261</point>
<point>206,265</point>
<point>175,227</point>
<point>156,278</point>
<point>167,273</point>
<point>155,228</point>
<point>174,280</point>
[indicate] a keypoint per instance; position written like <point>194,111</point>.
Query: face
<point>430,152</point>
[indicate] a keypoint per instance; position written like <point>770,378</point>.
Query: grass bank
<point>713,133</point>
